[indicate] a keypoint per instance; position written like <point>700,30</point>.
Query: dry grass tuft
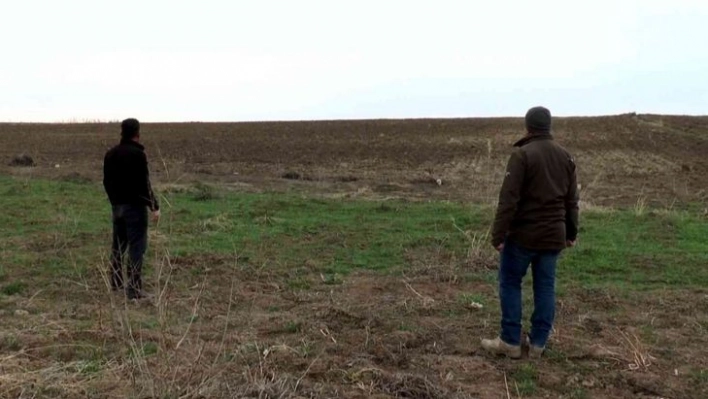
<point>636,353</point>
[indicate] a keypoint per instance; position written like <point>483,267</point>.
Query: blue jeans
<point>130,226</point>
<point>515,261</point>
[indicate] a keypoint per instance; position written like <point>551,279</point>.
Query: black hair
<point>129,129</point>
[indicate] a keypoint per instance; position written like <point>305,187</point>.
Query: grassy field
<point>284,294</point>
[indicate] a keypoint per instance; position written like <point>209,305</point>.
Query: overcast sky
<point>237,60</point>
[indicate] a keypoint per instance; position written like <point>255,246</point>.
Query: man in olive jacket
<point>537,217</point>
<point>127,182</point>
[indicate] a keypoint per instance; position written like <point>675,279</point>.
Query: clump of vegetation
<point>14,288</point>
<point>205,192</point>
<point>22,160</point>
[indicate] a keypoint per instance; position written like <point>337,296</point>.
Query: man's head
<point>538,120</point>
<point>130,129</point>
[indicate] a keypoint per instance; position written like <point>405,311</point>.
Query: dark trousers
<point>515,261</point>
<point>130,224</point>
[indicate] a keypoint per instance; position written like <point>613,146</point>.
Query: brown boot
<point>498,347</point>
<point>535,352</point>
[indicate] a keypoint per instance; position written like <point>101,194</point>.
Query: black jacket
<point>126,177</point>
<point>538,202</point>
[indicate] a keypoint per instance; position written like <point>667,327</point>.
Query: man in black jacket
<point>127,182</point>
<point>536,219</point>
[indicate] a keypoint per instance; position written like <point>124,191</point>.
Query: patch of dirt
<point>370,336</point>
<point>75,177</point>
<point>291,176</point>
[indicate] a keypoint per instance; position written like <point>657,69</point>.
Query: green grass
<point>525,378</point>
<point>62,229</point>
<point>578,393</point>
<point>14,288</point>
<point>89,366</point>
<point>471,300</point>
<point>55,236</point>
<point>292,327</point>
<point>150,348</point>
<point>332,279</point>
<point>10,343</point>
<point>621,248</point>
<point>700,377</point>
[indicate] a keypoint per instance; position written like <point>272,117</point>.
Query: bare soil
<point>660,160</point>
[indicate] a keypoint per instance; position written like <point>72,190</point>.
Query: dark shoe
<point>137,295</point>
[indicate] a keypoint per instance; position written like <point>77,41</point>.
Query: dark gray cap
<point>538,120</point>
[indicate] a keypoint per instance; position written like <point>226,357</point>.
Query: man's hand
<point>500,247</point>
<point>156,216</point>
<point>570,244</point>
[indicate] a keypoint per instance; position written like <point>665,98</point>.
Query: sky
<point>237,60</point>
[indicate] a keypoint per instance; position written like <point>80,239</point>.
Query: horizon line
<point>97,121</point>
